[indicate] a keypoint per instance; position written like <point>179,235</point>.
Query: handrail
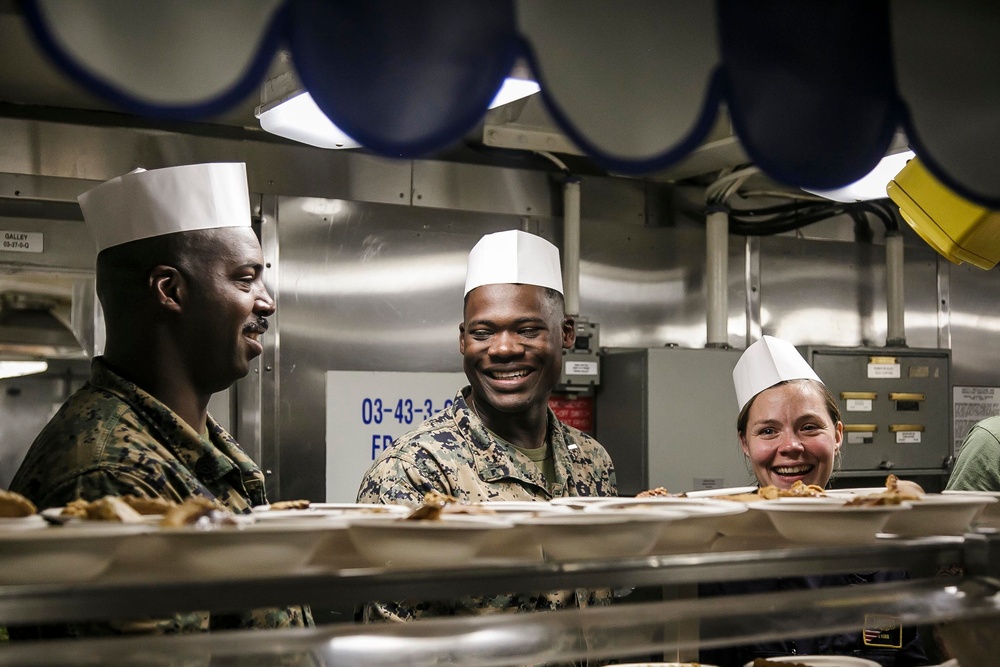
<point>507,639</point>
<point>129,597</point>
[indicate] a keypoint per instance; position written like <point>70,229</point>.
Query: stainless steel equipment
<point>667,416</point>
<point>895,405</point>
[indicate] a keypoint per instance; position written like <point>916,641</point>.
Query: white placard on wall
<point>971,405</point>
<point>367,410</point>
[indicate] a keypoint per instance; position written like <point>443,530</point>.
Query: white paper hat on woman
<point>514,257</point>
<point>766,363</point>
<point>142,204</point>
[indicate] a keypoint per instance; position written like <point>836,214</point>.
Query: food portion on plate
<point>812,661</point>
<point>15,506</point>
<point>18,513</point>
<point>136,509</point>
<point>896,491</point>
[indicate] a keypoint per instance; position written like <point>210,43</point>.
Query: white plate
<point>729,491</point>
<point>856,491</point>
<point>990,516</point>
<point>520,507</point>
<point>598,534</point>
<point>295,516</point>
<point>63,554</point>
<point>666,664</point>
<point>938,514</point>
<point>248,549</point>
<point>30,522</point>
<point>822,661</point>
<point>702,523</point>
<point>827,521</point>
<point>55,513</point>
<point>450,540</point>
<point>578,502</point>
<point>343,508</point>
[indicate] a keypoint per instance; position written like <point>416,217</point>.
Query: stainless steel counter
<point>509,639</point>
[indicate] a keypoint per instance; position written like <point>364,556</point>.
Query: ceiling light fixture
<point>872,185</point>
<point>288,110</point>
<point>13,369</point>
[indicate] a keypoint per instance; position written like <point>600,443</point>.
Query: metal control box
<point>667,417</point>
<point>581,369</point>
<point>895,404</point>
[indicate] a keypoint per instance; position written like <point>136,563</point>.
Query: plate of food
<point>66,554</point>
<point>18,513</point>
<point>110,509</point>
<point>813,661</point>
<point>827,521</point>
<point>423,541</point>
<point>504,507</point>
<point>578,502</point>
<point>307,508</point>
<point>598,534</point>
<point>930,513</point>
<point>989,517</point>
<point>223,548</point>
<point>702,521</point>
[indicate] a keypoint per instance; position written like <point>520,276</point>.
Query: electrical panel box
<point>895,405</point>
<point>667,417</point>
<point>581,370</point>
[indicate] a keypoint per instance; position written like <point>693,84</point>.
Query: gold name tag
<point>883,631</point>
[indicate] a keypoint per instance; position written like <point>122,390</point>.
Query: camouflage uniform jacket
<point>452,452</point>
<point>113,438</point>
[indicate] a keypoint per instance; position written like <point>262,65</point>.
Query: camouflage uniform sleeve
<point>101,482</point>
<point>402,479</point>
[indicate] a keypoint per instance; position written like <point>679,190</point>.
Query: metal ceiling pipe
<point>895,335</point>
<point>717,276</point>
<point>571,245</point>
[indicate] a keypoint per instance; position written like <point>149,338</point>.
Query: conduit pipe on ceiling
<point>571,245</point>
<point>717,279</point>
<point>571,236</point>
<point>895,335</point>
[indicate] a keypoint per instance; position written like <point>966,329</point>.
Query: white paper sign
<point>581,368</point>
<point>971,405</point>
<point>907,437</point>
<point>883,370</point>
<point>859,405</point>
<point>12,241</point>
<point>367,410</point>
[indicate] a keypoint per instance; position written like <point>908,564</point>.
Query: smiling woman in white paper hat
<point>789,425</point>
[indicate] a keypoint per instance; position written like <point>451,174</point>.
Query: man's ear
<point>168,287</point>
<point>461,338</point>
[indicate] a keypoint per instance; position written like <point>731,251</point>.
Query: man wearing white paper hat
<point>179,277</point>
<point>499,440</point>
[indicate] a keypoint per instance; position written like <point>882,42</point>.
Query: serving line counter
<point>625,629</point>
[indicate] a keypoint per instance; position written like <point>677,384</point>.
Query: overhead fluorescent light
<point>13,369</point>
<point>514,88</point>
<point>297,117</point>
<point>871,185</point>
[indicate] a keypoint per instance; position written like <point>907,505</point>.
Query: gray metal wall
<point>367,263</point>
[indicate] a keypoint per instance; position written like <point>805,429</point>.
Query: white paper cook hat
<point>766,363</point>
<point>143,203</point>
<point>513,257</point>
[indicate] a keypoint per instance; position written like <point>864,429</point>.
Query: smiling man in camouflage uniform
<point>499,440</point>
<point>179,276</point>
